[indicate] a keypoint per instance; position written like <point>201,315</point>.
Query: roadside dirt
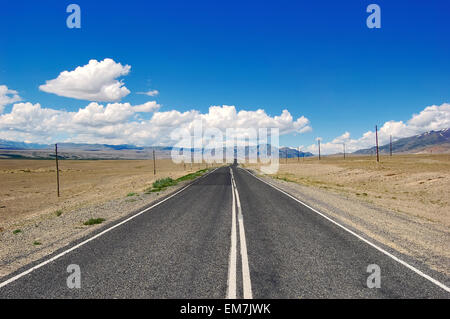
<point>28,187</point>
<point>360,195</point>
<point>417,185</point>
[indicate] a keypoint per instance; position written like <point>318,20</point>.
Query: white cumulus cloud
<point>150,93</point>
<point>97,115</point>
<point>95,81</point>
<point>7,96</point>
<point>225,116</point>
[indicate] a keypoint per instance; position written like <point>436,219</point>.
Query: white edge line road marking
<point>246,282</point>
<point>417,271</point>
<point>231,292</point>
<point>26,272</point>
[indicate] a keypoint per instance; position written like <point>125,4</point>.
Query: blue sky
<point>316,59</point>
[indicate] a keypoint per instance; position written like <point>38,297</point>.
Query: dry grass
<point>28,187</point>
<point>414,184</point>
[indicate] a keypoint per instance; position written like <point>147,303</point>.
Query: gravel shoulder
<point>426,241</point>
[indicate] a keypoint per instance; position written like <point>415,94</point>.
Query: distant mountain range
<point>428,142</point>
<point>11,145</point>
<point>292,152</point>
<point>22,150</point>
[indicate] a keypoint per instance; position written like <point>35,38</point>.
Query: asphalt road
<point>226,235</point>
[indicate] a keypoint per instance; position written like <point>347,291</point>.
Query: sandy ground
<point>417,185</point>
<point>402,202</point>
<point>31,228</point>
<point>28,187</point>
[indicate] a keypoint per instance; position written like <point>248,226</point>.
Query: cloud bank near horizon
<point>432,118</point>
<point>120,123</point>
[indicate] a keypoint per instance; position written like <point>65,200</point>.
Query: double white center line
<point>232,269</point>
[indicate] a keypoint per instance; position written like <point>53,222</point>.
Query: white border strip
<point>231,292</point>
<point>26,272</point>
<point>417,271</point>
<point>246,282</point>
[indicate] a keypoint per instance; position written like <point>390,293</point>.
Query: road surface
<point>227,235</point>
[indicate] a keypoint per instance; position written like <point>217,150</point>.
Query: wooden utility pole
<point>319,148</point>
<point>344,149</point>
<point>57,168</point>
<point>202,154</point>
<point>154,163</point>
<point>191,150</point>
<point>376,138</point>
<point>390,146</point>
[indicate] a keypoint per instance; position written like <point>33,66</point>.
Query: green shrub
<point>94,221</point>
<point>192,175</point>
<point>163,183</point>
